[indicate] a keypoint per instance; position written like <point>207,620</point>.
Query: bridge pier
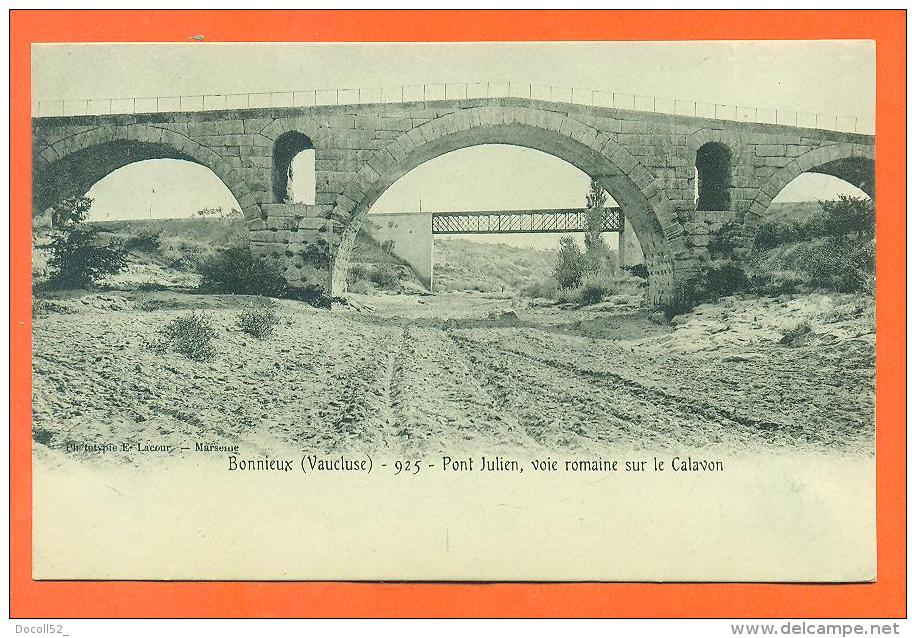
<point>298,239</point>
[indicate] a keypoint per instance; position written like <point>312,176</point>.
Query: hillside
<point>461,264</point>
<point>784,211</point>
<point>217,231</point>
<point>160,245</point>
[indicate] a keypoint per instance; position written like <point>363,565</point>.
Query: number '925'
<point>408,467</point>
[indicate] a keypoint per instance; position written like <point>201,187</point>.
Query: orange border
<point>885,598</point>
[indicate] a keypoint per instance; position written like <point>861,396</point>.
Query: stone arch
<point>853,163</point>
<point>304,124</point>
<point>70,166</point>
<point>637,191</point>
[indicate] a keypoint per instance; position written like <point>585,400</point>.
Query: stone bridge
<point>675,177</point>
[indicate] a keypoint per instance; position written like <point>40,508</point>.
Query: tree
<point>78,258</point>
<point>72,210</point>
<point>594,216</point>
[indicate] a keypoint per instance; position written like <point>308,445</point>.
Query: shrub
<point>238,271</point>
<point>796,334</point>
<point>544,289</point>
<point>837,263</point>
<point>385,276</point>
<point>568,295</point>
<point>259,323</point>
<point>778,282</point>
<point>598,260</point>
<point>568,267</point>
<point>724,277</point>
<point>357,272</point>
<point>78,260</point>
<point>190,335</point>
<point>45,307</point>
<point>41,435</point>
<point>847,215</point>
<point>767,235</point>
<point>862,258</point>
<point>719,278</point>
<point>723,242</point>
<point>685,297</point>
<point>592,290</point>
<point>311,293</point>
<point>639,270</point>
<point>149,304</point>
<point>147,243</point>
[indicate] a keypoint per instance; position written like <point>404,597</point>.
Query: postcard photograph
<point>536,311</point>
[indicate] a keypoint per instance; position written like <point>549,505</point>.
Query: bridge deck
<point>552,220</point>
<point>433,93</point>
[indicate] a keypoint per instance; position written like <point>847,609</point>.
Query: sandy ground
<point>429,374</point>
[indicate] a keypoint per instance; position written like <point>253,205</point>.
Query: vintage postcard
<point>528,311</point>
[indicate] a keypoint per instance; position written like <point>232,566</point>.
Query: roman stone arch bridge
<point>652,164</point>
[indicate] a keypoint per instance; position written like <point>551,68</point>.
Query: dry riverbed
<point>451,372</point>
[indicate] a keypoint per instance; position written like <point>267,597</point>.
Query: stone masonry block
<point>395,124</point>
<point>769,150</point>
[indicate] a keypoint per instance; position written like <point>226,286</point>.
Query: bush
<point>685,298</point>
<point>592,290</point>
<point>385,276</point>
<point>78,260</point>
<point>837,218</point>
<point>568,295</point>
<point>545,289</point>
<point>359,287</point>
<point>639,270</point>
<point>767,235</point>
<point>724,277</point>
<point>237,271</point>
<point>719,278</point>
<point>45,307</point>
<point>190,335</point>
<point>147,243</point>
<point>357,272</point>
<point>847,215</point>
<point>778,282</point>
<point>568,268</point>
<point>796,335</point>
<point>259,323</point>
<point>598,260</point>
<point>726,240</point>
<point>837,263</point>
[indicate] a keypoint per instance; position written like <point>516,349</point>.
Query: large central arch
<point>634,188</point>
<point>72,165</point>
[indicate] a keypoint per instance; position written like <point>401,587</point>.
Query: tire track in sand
<point>569,360</point>
<point>560,406</point>
<point>439,402</point>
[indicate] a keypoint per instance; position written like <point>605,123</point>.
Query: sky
<point>828,77</point>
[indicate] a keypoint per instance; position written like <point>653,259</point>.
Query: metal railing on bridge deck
<point>548,220</point>
<point>447,91</point>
